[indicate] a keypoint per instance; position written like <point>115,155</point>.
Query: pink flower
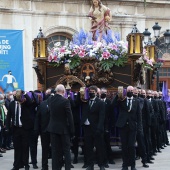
<point>55,58</point>
<point>146,57</point>
<point>144,51</point>
<point>76,51</point>
<point>150,62</point>
<point>50,58</point>
<point>114,47</point>
<point>82,53</point>
<point>106,55</point>
<point>62,49</point>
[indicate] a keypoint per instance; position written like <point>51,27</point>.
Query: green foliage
<point>75,62</point>
<point>121,61</point>
<point>54,64</point>
<point>107,64</point>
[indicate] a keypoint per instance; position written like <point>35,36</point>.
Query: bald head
<point>60,89</point>
<point>160,94</point>
<point>156,95</point>
<point>149,94</point>
<point>130,88</point>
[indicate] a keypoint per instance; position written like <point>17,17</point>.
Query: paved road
<point>162,160</point>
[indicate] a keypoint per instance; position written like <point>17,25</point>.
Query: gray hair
<point>60,88</point>
<point>1,96</point>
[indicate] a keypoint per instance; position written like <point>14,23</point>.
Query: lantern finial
<point>40,34</point>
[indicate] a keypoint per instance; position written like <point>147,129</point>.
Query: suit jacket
<point>109,117</point>
<point>42,117</point>
<point>95,114</point>
<point>133,117</point>
<point>146,114</point>
<point>75,107</point>
<point>61,118</point>
<point>161,111</point>
<point>26,119</point>
<point>151,111</point>
<point>154,118</point>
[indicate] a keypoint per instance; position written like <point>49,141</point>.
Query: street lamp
<point>146,34</point>
<point>167,36</point>
<point>151,47</point>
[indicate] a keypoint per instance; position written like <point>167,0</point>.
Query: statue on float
<point>100,16</point>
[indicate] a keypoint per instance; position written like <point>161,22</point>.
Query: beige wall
<point>70,15</point>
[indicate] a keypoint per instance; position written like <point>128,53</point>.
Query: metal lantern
<point>156,28</point>
<point>167,36</point>
<point>135,47</point>
<point>150,49</point>
<point>146,34</point>
<point>152,53</point>
<point>40,45</point>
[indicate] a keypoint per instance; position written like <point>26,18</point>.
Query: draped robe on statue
<point>99,21</point>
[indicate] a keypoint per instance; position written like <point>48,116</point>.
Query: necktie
<point>129,100</point>
<point>91,103</point>
<point>17,116</point>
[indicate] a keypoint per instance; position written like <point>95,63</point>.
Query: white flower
<point>60,55</point>
<point>140,60</point>
<point>89,46</point>
<point>91,53</point>
<point>87,78</point>
<point>57,44</point>
<point>67,52</point>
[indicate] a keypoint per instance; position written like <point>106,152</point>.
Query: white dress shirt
<point>131,98</point>
<point>19,105</point>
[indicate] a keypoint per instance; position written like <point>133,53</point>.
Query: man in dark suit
<point>141,147</point>
<point>9,98</point>
<point>93,123</point>
<point>41,124</point>
<point>161,119</point>
<point>156,108</point>
<point>36,98</point>
<point>164,116</point>
<point>107,124</point>
<point>129,122</point>
<point>22,124</point>
<point>75,107</point>
<point>61,126</point>
<point>146,123</point>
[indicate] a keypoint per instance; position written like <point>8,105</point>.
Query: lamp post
<point>156,45</point>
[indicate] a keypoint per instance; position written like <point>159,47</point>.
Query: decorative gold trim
<point>55,76</point>
<point>122,82</point>
<point>123,74</point>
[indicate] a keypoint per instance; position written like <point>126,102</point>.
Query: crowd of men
<point>61,120</point>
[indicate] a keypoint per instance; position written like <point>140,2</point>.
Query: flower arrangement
<point>141,65</point>
<point>145,61</point>
<point>111,51</point>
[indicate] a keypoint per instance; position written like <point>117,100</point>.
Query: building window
<point>58,37</point>
<point>164,72</point>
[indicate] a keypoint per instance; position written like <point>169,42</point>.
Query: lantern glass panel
<point>156,33</point>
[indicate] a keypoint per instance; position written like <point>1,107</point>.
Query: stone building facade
<point>69,16</point>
